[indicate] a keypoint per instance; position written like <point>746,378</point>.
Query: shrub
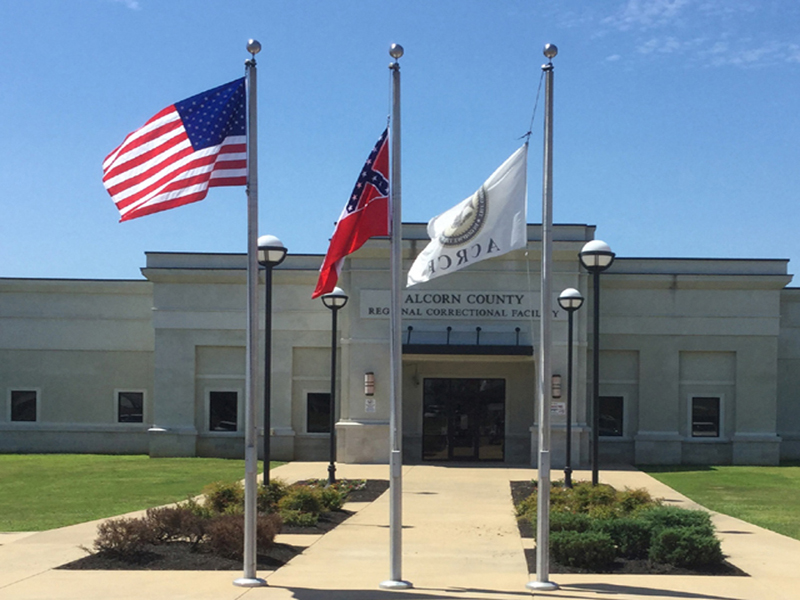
<point>662,517</point>
<point>123,536</point>
<point>585,496</point>
<point>226,534</point>
<point>567,521</point>
<point>592,550</point>
<point>527,508</point>
<point>630,535</point>
<point>268,496</point>
<point>686,547</point>
<point>168,523</point>
<point>631,501</point>
<point>332,498</point>
<point>295,518</point>
<point>223,497</point>
<point>302,498</point>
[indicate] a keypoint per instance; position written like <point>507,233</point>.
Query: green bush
<point>527,508</point>
<point>591,550</point>
<point>222,497</point>
<point>631,501</point>
<point>332,498</point>
<point>630,535</point>
<point>685,547</point>
<point>296,518</point>
<point>662,517</point>
<point>302,498</point>
<point>567,521</point>
<point>268,496</point>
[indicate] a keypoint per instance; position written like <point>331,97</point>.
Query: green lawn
<point>765,496</point>
<point>44,491</point>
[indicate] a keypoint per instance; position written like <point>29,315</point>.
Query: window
<point>611,408</point>
<point>23,405</point>
<point>223,408</point>
<point>130,407</point>
<point>705,417</point>
<point>318,412</point>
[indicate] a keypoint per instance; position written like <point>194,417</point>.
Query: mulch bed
<point>522,489</point>
<point>179,556</point>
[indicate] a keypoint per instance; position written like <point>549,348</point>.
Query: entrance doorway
<point>463,419</point>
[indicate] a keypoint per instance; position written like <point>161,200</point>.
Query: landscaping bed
<point>600,530</point>
<point>207,535</point>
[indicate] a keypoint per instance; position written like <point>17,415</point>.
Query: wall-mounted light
<point>556,386</point>
<point>369,384</point>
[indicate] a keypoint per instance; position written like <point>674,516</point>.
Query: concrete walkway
<point>460,541</point>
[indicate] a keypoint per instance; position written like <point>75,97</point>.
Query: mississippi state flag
<point>177,155</point>
<point>365,215</point>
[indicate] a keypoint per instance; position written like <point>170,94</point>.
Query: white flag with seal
<point>489,223</point>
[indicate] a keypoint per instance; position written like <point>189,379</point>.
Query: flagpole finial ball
<point>253,47</point>
<point>550,50</point>
<point>396,51</point>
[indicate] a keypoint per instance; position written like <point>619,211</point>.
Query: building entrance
<point>463,419</point>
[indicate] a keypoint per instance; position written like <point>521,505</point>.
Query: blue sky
<point>676,121</point>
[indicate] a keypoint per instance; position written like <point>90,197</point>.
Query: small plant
<point>661,517</point>
<point>585,496</point>
<point>567,521</point>
<point>221,496</point>
<point>631,501</point>
<point>170,523</point>
<point>592,550</point>
<point>686,547</point>
<point>226,534</point>
<point>302,498</point>
<point>296,518</point>
<point>268,496</point>
<point>332,498</point>
<point>630,535</point>
<point>125,537</point>
<point>527,508</point>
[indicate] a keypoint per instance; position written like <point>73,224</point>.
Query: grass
<point>45,491</point>
<point>765,496</point>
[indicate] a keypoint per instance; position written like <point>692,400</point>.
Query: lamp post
<point>271,253</point>
<point>570,300</point>
<point>596,256</point>
<point>333,300</point>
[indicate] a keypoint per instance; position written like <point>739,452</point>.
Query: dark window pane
<point>318,413</point>
<point>611,416</point>
<point>223,411</point>
<point>23,405</point>
<point>705,417</point>
<point>131,407</point>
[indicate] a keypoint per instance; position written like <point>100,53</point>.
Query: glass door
<point>463,419</point>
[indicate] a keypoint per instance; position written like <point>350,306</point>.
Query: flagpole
<point>251,432</point>
<point>395,344</point>
<point>542,582</point>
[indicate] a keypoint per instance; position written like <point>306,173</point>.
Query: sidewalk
<point>459,541</point>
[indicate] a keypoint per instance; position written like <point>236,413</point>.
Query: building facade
<point>699,359</point>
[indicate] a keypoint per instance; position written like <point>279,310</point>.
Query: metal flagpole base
<point>542,586</point>
<point>394,584</point>
<point>250,582</point>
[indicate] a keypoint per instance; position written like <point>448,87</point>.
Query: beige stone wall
<point>76,343</point>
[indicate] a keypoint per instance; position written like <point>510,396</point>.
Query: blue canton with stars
<point>213,115</point>
<point>371,176</point>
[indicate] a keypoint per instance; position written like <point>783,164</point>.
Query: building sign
<point>458,304</point>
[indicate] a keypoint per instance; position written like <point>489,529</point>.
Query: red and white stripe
<point>156,168</point>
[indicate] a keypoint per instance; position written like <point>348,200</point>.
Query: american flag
<point>177,155</point>
<point>365,215</point>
